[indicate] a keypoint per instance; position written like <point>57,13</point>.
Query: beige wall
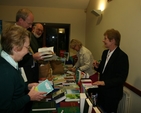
<point>125,16</point>
<point>75,17</point>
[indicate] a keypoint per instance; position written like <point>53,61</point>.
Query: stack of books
<point>59,95</point>
<point>72,95</point>
<point>86,84</point>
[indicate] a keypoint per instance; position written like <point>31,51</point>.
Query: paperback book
<point>44,86</point>
<point>72,95</point>
<point>44,106</point>
<point>45,51</point>
<point>59,95</point>
<point>87,106</point>
<point>82,101</point>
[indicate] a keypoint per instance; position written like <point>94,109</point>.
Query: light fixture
<point>96,12</point>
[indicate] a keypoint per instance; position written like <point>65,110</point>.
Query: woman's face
<point>19,54</point>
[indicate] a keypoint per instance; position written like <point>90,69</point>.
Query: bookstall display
<point>67,92</point>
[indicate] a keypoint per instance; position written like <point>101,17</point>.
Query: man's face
<point>27,23</point>
<point>37,31</point>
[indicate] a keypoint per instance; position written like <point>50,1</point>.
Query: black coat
<point>114,75</point>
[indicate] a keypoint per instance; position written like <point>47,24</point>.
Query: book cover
<point>71,86</point>
<point>69,104</point>
<point>44,106</point>
<point>68,110</point>
<point>60,99</point>
<point>79,75</point>
<point>46,50</point>
<point>58,94</point>
<point>58,79</point>
<point>72,97</point>
<point>87,106</point>
<point>72,91</point>
<point>44,86</point>
<point>82,101</point>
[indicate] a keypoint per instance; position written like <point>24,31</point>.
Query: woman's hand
<point>96,64</point>
<point>35,95</point>
<point>31,85</point>
<point>102,83</point>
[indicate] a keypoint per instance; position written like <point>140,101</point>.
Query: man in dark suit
<point>113,69</point>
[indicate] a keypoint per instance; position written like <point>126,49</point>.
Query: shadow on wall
<point>99,19</point>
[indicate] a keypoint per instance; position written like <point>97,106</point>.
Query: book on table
<point>59,95</point>
<point>58,79</point>
<point>82,101</point>
<point>87,106</point>
<point>44,86</point>
<point>72,95</point>
<point>44,106</point>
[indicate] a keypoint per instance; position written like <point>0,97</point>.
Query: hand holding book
<point>35,95</point>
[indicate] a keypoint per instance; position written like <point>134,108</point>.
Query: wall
<point>126,19</point>
<point>75,17</point>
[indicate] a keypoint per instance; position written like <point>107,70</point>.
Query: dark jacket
<point>114,75</point>
<point>12,89</point>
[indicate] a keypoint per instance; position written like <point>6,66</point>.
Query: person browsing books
<point>85,58</point>
<point>25,18</point>
<point>113,69</point>
<point>15,44</point>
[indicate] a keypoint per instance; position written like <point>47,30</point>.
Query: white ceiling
<point>72,4</point>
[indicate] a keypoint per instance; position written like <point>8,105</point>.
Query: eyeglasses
<point>27,47</point>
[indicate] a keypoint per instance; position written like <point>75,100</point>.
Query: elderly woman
<point>13,98</point>
<point>85,58</point>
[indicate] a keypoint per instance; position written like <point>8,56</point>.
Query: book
<point>79,75</point>
<point>84,80</point>
<point>68,109</point>
<point>55,111</point>
<point>46,50</point>
<point>82,101</point>
<point>44,86</point>
<point>69,104</point>
<point>58,94</point>
<point>70,72</point>
<point>86,86</point>
<point>95,110</point>
<point>87,106</point>
<point>58,79</point>
<point>44,106</point>
<point>72,95</point>
<point>60,99</point>
<point>71,86</point>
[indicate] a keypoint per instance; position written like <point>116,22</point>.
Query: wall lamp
<point>96,12</point>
